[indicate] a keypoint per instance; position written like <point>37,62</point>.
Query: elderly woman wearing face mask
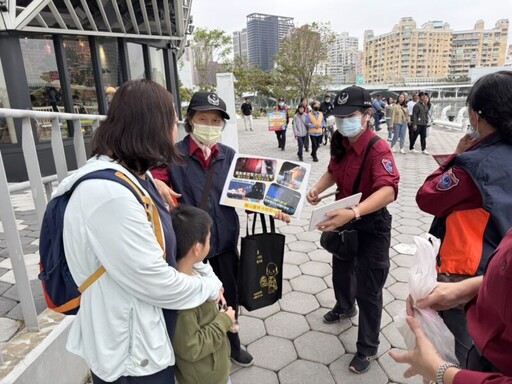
<point>360,162</point>
<point>202,155</point>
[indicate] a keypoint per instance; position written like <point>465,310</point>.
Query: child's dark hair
<point>191,225</point>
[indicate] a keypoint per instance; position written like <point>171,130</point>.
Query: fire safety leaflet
<point>265,185</point>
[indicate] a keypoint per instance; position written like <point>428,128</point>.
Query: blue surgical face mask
<point>349,126</point>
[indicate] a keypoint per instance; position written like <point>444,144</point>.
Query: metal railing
<point>40,187</point>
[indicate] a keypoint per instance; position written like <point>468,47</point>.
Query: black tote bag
<point>260,275</point>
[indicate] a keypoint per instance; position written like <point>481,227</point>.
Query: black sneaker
<point>360,363</point>
<point>333,317</point>
<point>244,359</point>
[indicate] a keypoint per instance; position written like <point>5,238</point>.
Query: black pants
<point>225,267</point>
<point>476,362</point>
<point>306,142</point>
<point>364,278</point>
<point>281,138</point>
<point>315,143</point>
<point>165,376</point>
<point>413,135</point>
<point>300,145</point>
<point>455,320</point>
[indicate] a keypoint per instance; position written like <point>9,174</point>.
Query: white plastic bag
<point>422,281</point>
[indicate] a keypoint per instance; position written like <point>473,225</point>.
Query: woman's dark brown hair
<point>138,129</point>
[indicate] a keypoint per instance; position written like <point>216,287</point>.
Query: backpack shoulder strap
<point>146,201</point>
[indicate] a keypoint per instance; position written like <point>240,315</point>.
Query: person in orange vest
<point>315,123</point>
<point>281,135</point>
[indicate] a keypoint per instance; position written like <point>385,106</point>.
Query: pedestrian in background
<point>305,103</point>
<point>389,109</point>
<point>410,107</point>
<point>247,113</point>
<point>399,121</point>
<point>357,150</point>
<point>315,122</point>
<point>300,129</point>
<point>420,119</point>
<point>281,134</point>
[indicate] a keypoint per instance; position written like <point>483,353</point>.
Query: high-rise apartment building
<point>478,47</point>
<point>432,52</point>
<point>264,36</point>
<point>240,45</point>
<point>343,57</point>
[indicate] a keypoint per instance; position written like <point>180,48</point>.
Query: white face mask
<point>281,104</point>
<point>473,132</point>
<point>207,134</point>
<point>349,126</point>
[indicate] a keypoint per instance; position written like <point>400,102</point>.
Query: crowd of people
<point>167,305</point>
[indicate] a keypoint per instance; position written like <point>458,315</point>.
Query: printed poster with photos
<point>265,185</point>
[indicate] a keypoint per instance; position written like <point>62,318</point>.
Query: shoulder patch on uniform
<point>447,181</point>
<point>388,166</point>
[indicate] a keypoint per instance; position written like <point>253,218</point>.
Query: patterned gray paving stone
<point>287,325</point>
<point>342,375</point>
<point>308,284</point>
<point>395,371</point>
<point>395,308</point>
<point>251,329</point>
<point>302,246</point>
<point>299,302</point>
<point>305,372</point>
<point>290,239</point>
<point>320,255</point>
<point>412,214</point>
<point>394,337</point>
<point>400,274</point>
<point>399,290</point>
<point>316,322</point>
<point>349,340</point>
<point>295,258</point>
<point>6,305</point>
<point>290,229</point>
<point>8,328</point>
<point>390,280</point>
<point>404,238</point>
<point>308,236</point>
<point>405,261</point>
<point>326,298</point>
<point>4,287</point>
<point>328,280</point>
<point>318,347</point>
<point>290,271</point>
<point>254,375</point>
<point>272,352</point>
<point>410,222</point>
<point>316,268</point>
<point>286,287</point>
<point>386,297</point>
<point>262,313</point>
<point>385,319</point>
<point>410,230</point>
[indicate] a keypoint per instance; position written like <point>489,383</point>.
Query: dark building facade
<point>70,55</point>
<point>264,35</point>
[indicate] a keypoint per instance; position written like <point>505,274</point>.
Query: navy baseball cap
<point>208,101</point>
<point>350,100</point>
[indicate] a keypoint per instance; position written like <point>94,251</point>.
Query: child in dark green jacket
<point>200,341</point>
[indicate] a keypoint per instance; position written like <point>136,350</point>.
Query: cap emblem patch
<point>342,98</point>
<point>213,99</point>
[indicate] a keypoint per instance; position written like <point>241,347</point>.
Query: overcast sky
<point>353,16</point>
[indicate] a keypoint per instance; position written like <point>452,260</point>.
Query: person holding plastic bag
<point>489,318</point>
<point>422,281</point>
<point>471,193</point>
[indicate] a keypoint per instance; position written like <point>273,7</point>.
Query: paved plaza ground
<point>289,341</point>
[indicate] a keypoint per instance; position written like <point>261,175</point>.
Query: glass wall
<point>43,80</point>
<point>135,61</point>
<point>7,131</point>
<point>157,65</point>
<point>109,60</point>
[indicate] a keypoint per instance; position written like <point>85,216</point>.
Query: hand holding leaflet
<point>319,214</point>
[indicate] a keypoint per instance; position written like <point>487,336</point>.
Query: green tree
<point>211,49</point>
<point>249,78</point>
<point>300,59</point>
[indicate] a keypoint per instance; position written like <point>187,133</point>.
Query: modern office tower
<point>343,57</point>
<point>240,47</point>
<point>264,36</point>
<point>432,52</point>
<point>478,47</point>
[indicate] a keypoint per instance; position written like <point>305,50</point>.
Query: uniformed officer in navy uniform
<point>361,279</point>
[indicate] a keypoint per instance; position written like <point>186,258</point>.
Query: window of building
<point>43,81</point>
<point>7,131</point>
<point>157,65</point>
<point>136,61</point>
<point>109,62</point>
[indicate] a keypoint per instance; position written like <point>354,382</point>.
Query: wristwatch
<point>442,369</point>
<point>356,212</point>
